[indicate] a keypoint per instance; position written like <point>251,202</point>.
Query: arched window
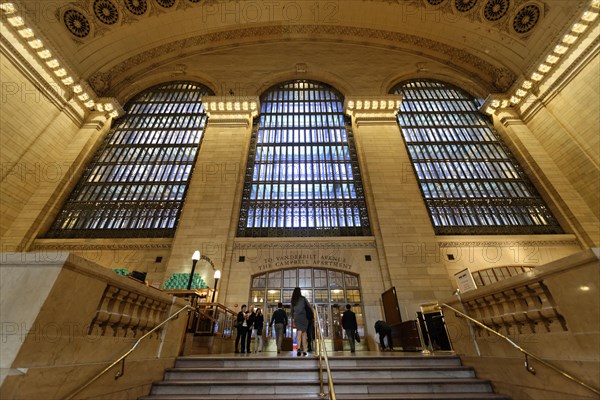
<point>136,183</point>
<point>470,181</point>
<point>302,176</point>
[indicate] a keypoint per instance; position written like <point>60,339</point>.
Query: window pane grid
<point>470,182</point>
<point>136,183</point>
<point>303,177</point>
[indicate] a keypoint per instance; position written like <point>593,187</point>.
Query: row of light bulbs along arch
<point>551,60</point>
<point>546,66</point>
<point>14,19</point>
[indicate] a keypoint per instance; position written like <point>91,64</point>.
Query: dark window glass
<point>470,182</point>
<point>302,177</point>
<point>136,183</point>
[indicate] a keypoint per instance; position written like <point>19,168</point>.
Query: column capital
<point>231,110</point>
<point>380,109</point>
<point>95,120</point>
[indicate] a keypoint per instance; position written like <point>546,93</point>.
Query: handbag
<point>356,337</point>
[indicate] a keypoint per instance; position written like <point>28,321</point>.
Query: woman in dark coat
<point>259,320</point>
<point>299,306</point>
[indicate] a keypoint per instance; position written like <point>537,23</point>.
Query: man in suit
<point>350,326</point>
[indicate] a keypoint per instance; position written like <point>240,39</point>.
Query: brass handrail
<point>527,354</point>
<point>121,359</point>
<point>323,350</point>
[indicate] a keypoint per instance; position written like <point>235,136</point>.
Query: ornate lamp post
<point>195,258</point>
<point>217,276</point>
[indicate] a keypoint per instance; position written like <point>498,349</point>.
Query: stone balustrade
<point>64,319</point>
<point>551,311</point>
<point>126,313</point>
<point>528,308</point>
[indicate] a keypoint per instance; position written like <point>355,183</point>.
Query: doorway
<point>327,289</point>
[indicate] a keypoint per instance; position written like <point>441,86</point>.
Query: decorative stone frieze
<point>330,243</point>
<point>100,244</point>
<point>373,109</point>
<point>110,81</point>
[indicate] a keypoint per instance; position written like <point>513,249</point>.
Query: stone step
<point>296,372</point>
<point>374,396</point>
<point>266,361</point>
<point>311,386</point>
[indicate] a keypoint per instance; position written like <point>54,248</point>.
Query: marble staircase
<point>369,376</point>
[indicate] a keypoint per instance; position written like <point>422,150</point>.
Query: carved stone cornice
<point>231,110</point>
<point>561,240</point>
<point>111,80</point>
<point>52,91</point>
<point>375,110</point>
<point>100,244</point>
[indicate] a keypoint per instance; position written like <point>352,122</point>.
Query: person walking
<point>259,320</point>
<point>350,326</point>
<point>299,306</point>
<point>279,320</point>
<point>385,332</point>
<point>242,330</point>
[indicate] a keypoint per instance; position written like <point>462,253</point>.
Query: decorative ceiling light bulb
<point>53,63</point>
<point>68,81</point>
<point>551,59</point>
<point>77,89</point>
<point>114,114</point>
<point>558,49</point>
<point>527,84</point>
<point>44,54</point>
<point>109,107</point>
<point>579,28</point>
<point>589,16</point>
<point>495,103</point>
<point>83,97</point>
<point>26,33</point>
<point>520,92</point>
<point>16,21</point>
<point>60,72</point>
<point>36,44</point>
<point>90,103</point>
<point>544,68</point>
<point>99,107</point>
<point>490,110</point>
<point>504,103</point>
<point>515,100</point>
<point>570,39</point>
<point>536,77</point>
<point>8,8</point>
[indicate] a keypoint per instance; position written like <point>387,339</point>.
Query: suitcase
<point>287,344</point>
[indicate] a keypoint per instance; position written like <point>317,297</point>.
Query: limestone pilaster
<point>209,216</point>
<point>400,221</point>
<point>573,213</point>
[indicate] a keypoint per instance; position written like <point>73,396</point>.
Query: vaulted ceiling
<point>121,46</point>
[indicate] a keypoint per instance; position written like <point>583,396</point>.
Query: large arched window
<point>470,181</point>
<point>136,183</point>
<point>302,176</point>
